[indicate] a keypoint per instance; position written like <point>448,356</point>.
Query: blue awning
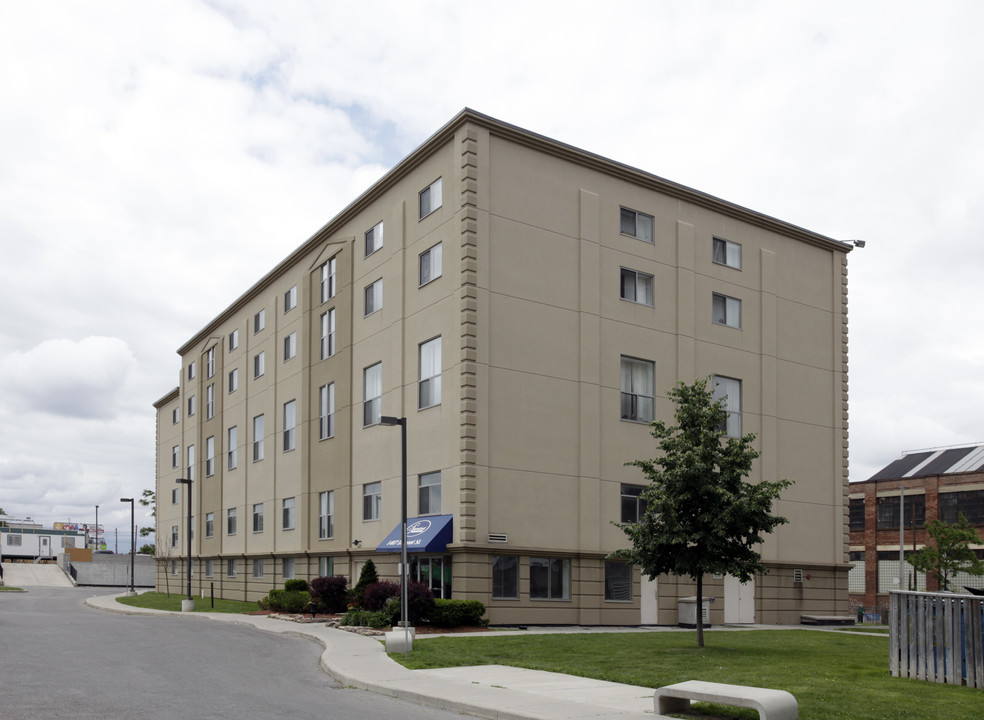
<point>424,534</point>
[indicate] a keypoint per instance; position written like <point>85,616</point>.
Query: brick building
<point>920,486</point>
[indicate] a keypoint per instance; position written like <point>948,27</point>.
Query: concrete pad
<point>26,575</point>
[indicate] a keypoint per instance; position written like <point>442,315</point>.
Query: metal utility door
<point>45,546</point>
<point>649,602</point>
<point>739,601</point>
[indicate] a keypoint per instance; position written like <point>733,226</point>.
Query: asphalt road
<point>60,660</point>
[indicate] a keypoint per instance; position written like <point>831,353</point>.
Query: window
<point>259,364</point>
<point>374,238</point>
<point>969,503</point>
<point>326,411</point>
<point>725,252</point>
<point>174,567</point>
<point>191,462</point>
<point>729,389</point>
<point>233,380</point>
<point>175,416</point>
<point>326,566</point>
<point>633,506</point>
<point>550,578</point>
<point>328,280</point>
<point>372,383</point>
<point>372,500</point>
<point>257,438</point>
<point>258,517</point>
<point>636,224</point>
<point>637,390</point>
<point>288,513</point>
<point>231,567</point>
<point>257,568</point>
<point>191,406</point>
<point>231,522</point>
<point>726,310</point>
<point>210,362</point>
<point>174,536</point>
<point>175,496</point>
<point>210,456</point>
<point>259,321</point>
<point>210,524</point>
<point>914,509</point>
<point>232,445</point>
<point>287,569</point>
<point>429,392</point>
<point>290,425</point>
<point>290,299</point>
<point>210,401</point>
<point>191,370</point>
<point>430,198</point>
<point>856,514</point>
<point>429,494</point>
<point>430,264</point>
<point>637,287</point>
<point>14,540</point>
<point>326,515</point>
<point>328,334</point>
<point>175,455</point>
<point>374,297</point>
<point>290,346</point>
<point>233,340</point>
<point>505,577</point>
<point>618,581</point>
<point>209,568</point>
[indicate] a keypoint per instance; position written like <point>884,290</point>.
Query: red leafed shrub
<point>376,595</point>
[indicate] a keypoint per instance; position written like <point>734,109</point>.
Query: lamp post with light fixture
<point>188,604</point>
<point>404,621</point>
<point>133,543</point>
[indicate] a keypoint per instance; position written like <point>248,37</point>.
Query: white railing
<point>937,637</point>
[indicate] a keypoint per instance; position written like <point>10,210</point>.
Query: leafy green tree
<point>952,552</point>
<point>148,499</point>
<point>367,577</point>
<point>700,516</point>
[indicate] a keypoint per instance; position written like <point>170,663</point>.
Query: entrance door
<point>649,602</point>
<point>739,601</point>
<point>45,546</point>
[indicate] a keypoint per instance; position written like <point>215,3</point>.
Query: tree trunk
<point>700,610</point>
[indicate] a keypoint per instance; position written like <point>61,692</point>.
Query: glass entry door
<point>435,571</point>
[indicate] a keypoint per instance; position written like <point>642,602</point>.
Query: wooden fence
<point>937,637</point>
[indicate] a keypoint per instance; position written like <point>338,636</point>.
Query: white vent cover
<point>498,537</point>
<point>797,575</point>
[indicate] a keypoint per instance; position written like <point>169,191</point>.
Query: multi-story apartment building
<point>923,485</point>
<point>525,305</point>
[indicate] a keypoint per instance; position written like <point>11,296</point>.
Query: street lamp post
<point>133,543</point>
<point>404,621</point>
<point>188,604</point>
<point>97,527</point>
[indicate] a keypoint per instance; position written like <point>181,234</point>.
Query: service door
<point>649,602</point>
<point>739,601</point>
<point>45,546</point>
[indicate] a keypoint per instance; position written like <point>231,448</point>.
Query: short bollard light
<point>312,606</point>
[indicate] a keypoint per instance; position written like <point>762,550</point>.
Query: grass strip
<point>834,676</point>
<point>162,601</point>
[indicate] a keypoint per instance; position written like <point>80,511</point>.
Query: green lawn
<point>835,676</point>
<point>161,601</point>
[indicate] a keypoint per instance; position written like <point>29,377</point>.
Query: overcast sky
<point>157,158</point>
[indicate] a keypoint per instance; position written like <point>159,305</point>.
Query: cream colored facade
<point>534,321</point>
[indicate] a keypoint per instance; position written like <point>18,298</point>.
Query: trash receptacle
<point>687,612</point>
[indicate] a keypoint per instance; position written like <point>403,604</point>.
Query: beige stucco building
<point>525,305</point>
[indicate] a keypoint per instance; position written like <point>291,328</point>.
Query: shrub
<point>420,601</point>
<point>457,613</point>
<point>365,618</point>
<point>291,601</point>
<point>367,577</point>
<point>330,593</point>
<point>296,584</point>
<point>374,596</point>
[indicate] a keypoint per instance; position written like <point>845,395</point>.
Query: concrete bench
<point>771,704</point>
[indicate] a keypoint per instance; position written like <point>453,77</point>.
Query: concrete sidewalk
<point>489,691</point>
<point>18,574</point>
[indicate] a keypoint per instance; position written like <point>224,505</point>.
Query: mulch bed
<point>333,620</point>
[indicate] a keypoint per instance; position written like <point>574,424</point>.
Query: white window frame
<point>326,515</point>
<point>175,415</point>
<point>631,494</point>
<point>233,380</point>
<point>633,223</point>
<point>175,496</point>
<point>637,398</point>
<point>725,252</point>
<point>430,199</point>
<point>372,394</point>
<point>234,340</point>
<point>257,518</point>
<point>552,565</point>
<point>372,501</point>
<point>328,280</point>
<point>429,362</point>
<point>190,470</point>
<point>232,452</point>
<point>210,363</point>
<point>630,282</point>
<point>174,536</point>
<point>328,334</point>
<point>429,493</point>
<point>259,321</point>
<point>210,524</point>
<point>175,456</point>
<point>373,297</point>
<point>258,432</point>
<point>730,389</point>
<point>210,568</point>
<point>430,265</point>
<point>257,568</point>
<point>259,364</point>
<point>290,346</point>
<point>287,569</point>
<point>210,401</point>
<point>326,411</point>
<point>289,517</point>
<point>231,521</point>
<point>507,569</point>
<point>210,456</point>
<point>290,299</point>
<point>726,310</point>
<point>374,238</point>
<point>191,370</point>
<point>231,567</point>
<point>290,425</point>
<point>191,405</point>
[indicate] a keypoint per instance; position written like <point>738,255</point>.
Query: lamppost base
<point>131,593</point>
<point>399,641</point>
<point>188,605</point>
